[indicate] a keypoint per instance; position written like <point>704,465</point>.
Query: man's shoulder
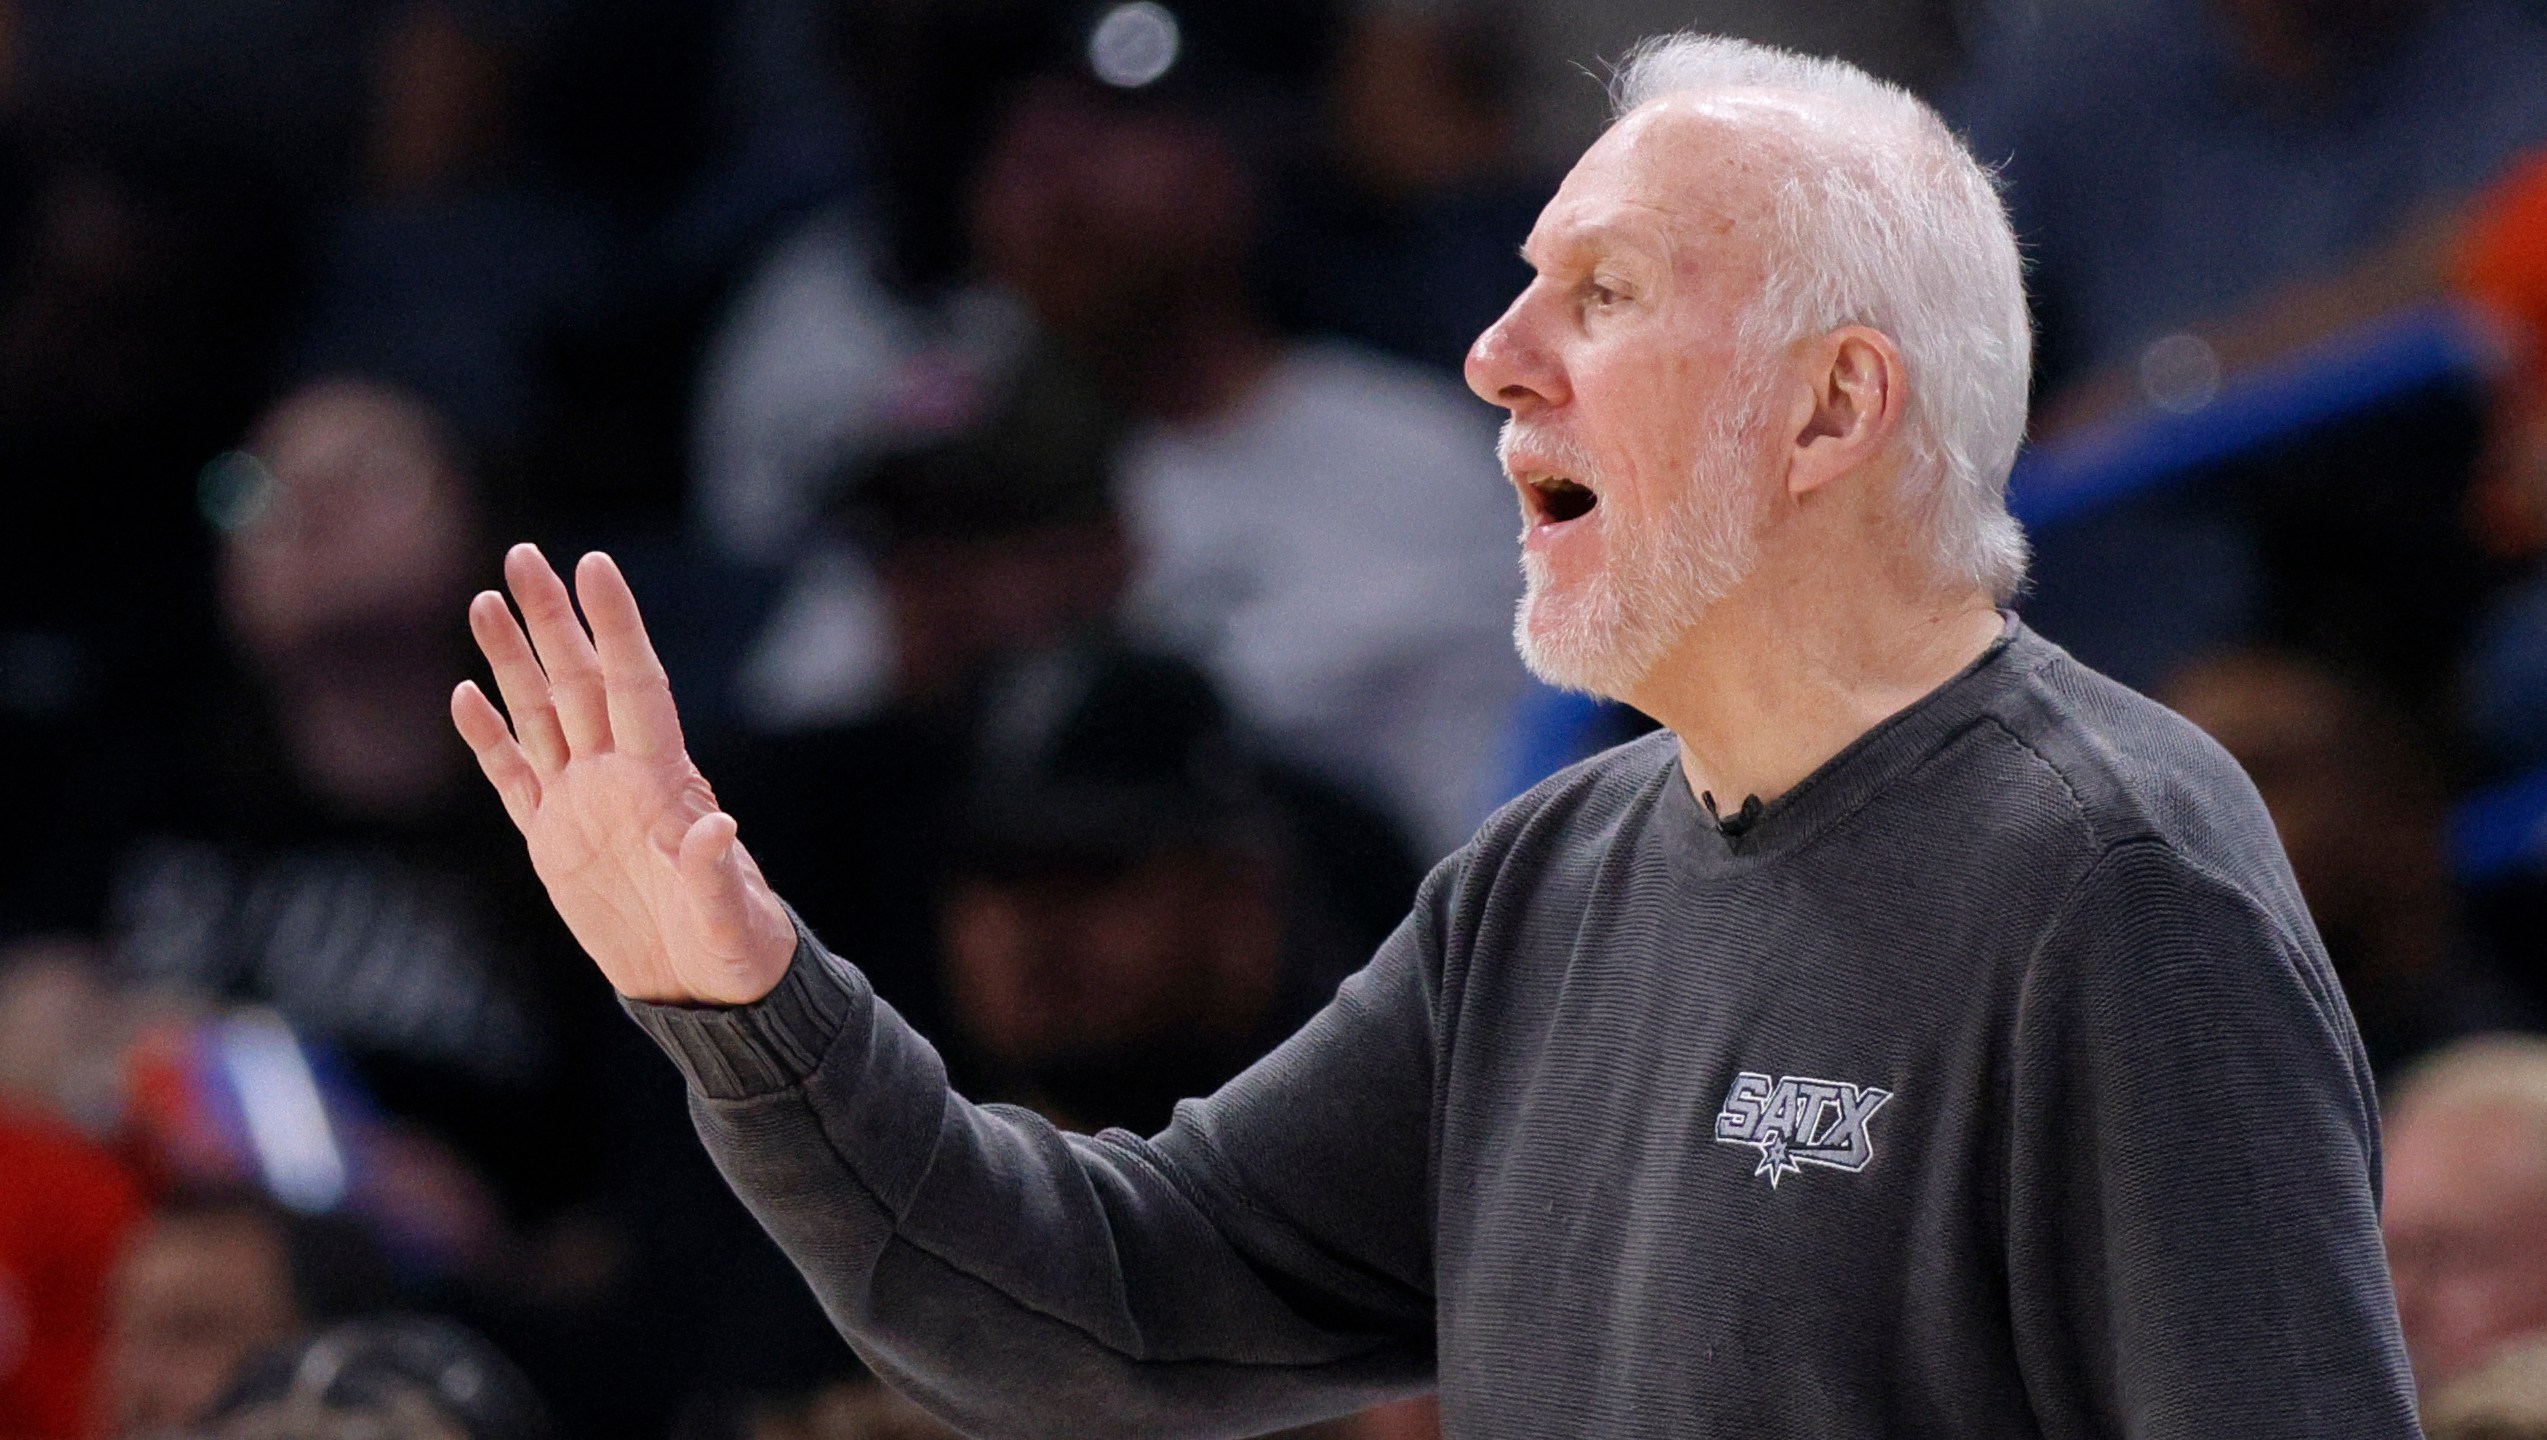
<point>2133,772</point>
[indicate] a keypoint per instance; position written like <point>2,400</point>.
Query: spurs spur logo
<point>1795,1121</point>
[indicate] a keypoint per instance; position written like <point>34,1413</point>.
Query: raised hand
<point>623,829</point>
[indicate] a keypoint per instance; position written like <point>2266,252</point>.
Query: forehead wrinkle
<point>1636,196</point>
<point>1712,180</point>
<point>1573,231</point>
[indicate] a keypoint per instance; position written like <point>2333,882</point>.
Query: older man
<point>1924,1036</point>
<point>2467,1203</point>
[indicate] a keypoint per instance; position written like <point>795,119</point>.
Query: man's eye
<point>1600,296</point>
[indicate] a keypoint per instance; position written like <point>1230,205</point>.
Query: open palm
<point>622,827</point>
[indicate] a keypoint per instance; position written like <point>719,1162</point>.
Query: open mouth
<point>1556,499</point>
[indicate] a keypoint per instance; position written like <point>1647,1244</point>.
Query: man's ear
<point>1855,404</point>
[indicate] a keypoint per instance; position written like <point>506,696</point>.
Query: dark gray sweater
<point>1991,1083</point>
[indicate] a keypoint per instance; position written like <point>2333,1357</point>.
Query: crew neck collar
<point>1864,768</point>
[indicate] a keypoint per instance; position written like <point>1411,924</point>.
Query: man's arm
<point>1264,1261</point>
<point>2192,1197</point>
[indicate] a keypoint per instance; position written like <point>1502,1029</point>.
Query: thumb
<point>712,871</point>
<point>750,947</point>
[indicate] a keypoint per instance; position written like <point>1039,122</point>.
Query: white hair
<point>1884,219</point>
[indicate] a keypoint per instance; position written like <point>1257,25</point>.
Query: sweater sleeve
<point>2192,1194</point>
<point>1264,1262</point>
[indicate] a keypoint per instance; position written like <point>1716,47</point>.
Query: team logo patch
<point>1795,1121</point>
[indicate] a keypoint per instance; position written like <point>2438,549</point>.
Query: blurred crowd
<point>1035,430</point>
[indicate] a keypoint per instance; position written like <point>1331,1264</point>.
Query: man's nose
<point>1511,365</point>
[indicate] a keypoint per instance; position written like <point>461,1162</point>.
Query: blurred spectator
<point>139,298</point>
<point>2360,807</point>
<point>815,365</point>
<point>1076,875</point>
<point>394,1378</point>
<point>210,1279</point>
<point>637,152</point>
<point>66,1209</point>
<point>334,860</point>
<point>1133,917</point>
<point>863,325</point>
<point>338,861</point>
<point>1323,529</point>
<point>349,523</point>
<point>990,536</point>
<point>169,182</point>
<point>858,329</point>
<point>999,539</point>
<point>2466,1205</point>
<point>63,1033</point>
<point>990,533</point>
<point>2505,1399</point>
<point>1403,229</point>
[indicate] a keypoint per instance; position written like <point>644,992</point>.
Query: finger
<point>506,767</point>
<point>519,679</point>
<point>643,719</point>
<point>565,651</point>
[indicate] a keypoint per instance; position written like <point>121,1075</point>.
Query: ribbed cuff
<point>738,1052</point>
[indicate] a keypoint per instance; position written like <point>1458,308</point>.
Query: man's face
<point>2466,1221</point>
<point>1638,429</point>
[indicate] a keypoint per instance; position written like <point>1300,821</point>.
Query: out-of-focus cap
<point>1034,448</point>
<point>1093,755</point>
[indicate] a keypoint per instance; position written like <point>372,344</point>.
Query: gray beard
<point>1661,577</point>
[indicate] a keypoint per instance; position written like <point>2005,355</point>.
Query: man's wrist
<point>738,1052</point>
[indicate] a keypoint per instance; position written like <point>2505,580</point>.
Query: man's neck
<point>1767,688</point>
